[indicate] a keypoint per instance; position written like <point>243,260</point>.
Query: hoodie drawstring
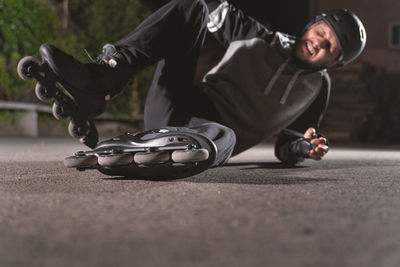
<point>275,77</point>
<point>288,87</point>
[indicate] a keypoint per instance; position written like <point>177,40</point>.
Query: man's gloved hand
<point>311,145</point>
<point>319,144</point>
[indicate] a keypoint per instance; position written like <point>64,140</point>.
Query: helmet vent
<point>336,17</point>
<point>362,34</point>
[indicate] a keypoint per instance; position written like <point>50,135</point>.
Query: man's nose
<point>323,43</point>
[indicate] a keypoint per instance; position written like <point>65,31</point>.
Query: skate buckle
<point>112,63</point>
<point>152,149</point>
<point>191,147</point>
<point>80,153</point>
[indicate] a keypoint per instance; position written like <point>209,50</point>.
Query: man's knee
<point>224,137</point>
<point>225,142</point>
<point>229,136</point>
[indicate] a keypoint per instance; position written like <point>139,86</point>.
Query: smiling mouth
<point>310,48</point>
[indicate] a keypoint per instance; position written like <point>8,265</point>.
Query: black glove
<point>302,147</point>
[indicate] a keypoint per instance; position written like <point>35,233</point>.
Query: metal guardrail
<point>30,125</point>
<point>24,106</point>
<point>29,122</point>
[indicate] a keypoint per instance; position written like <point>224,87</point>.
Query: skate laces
<point>89,56</point>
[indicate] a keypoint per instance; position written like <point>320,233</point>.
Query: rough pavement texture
<point>342,211</point>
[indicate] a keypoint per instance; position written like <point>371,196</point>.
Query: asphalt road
<point>342,211</point>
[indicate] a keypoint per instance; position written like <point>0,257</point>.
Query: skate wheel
<point>189,156</point>
<point>78,131</point>
<point>23,67</point>
<point>58,112</point>
<point>80,161</point>
<point>41,93</point>
<point>115,160</point>
<point>149,158</point>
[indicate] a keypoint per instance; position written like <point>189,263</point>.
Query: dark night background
<point>364,98</point>
<point>285,15</point>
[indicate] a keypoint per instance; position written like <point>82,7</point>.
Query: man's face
<point>318,47</point>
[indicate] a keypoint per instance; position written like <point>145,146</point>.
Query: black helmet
<point>349,31</point>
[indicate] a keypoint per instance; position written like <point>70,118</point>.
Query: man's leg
<point>173,31</point>
<point>174,35</point>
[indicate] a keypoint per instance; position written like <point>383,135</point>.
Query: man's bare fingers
<point>310,133</point>
<point>325,148</point>
<point>315,157</point>
<point>321,148</point>
<point>319,141</point>
<point>318,153</point>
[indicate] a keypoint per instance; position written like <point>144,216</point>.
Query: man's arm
<point>228,23</point>
<point>292,146</point>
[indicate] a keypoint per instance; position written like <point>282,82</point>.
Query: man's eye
<point>321,33</point>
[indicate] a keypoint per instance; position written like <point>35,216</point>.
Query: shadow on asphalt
<point>234,175</point>
<point>237,180</point>
<point>265,165</point>
<point>261,180</point>
<point>252,166</point>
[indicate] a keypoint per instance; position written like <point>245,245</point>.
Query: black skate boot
<point>166,153</point>
<point>80,91</point>
<point>112,70</point>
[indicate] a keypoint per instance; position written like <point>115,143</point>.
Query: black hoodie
<point>257,88</point>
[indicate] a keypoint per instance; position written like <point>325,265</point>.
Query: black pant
<point>173,36</point>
